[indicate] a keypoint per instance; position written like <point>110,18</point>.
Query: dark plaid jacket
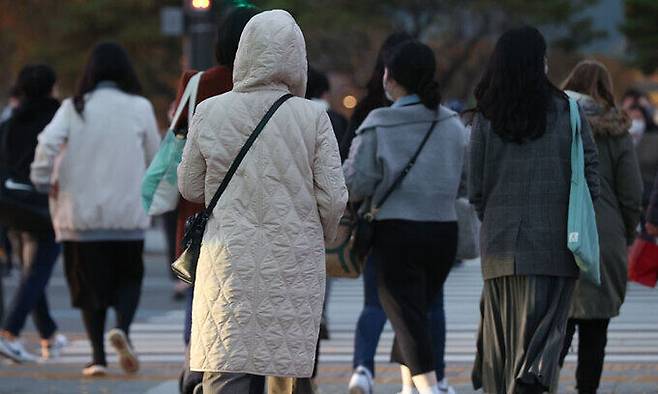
<point>521,193</point>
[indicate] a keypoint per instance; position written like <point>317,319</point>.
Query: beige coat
<point>261,274</point>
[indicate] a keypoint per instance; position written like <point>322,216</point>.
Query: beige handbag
<point>342,261</point>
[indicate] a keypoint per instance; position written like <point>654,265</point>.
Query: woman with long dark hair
<point>519,183</point>
<point>375,96</point>
<point>110,136</point>
<point>415,228</point>
<point>618,212</point>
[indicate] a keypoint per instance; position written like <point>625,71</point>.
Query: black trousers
<point>592,339</point>
<point>413,261</point>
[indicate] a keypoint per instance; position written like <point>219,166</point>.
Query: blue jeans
<point>38,256</point>
<point>371,323</point>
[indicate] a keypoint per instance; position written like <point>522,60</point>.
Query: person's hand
<point>652,229</point>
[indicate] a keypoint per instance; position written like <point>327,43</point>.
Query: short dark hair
<point>412,65</point>
<point>229,31</point>
<point>317,84</point>
<point>35,81</point>
<point>108,61</point>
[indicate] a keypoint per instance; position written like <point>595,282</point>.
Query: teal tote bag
<point>582,234</point>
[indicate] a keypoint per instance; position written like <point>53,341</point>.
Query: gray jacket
<point>618,210</point>
<point>386,141</point>
<point>521,193</point>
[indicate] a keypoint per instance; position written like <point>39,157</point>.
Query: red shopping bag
<point>643,262</point>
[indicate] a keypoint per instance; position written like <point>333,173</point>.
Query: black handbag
<point>185,266</point>
<point>364,226</point>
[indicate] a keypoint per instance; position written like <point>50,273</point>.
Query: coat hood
<point>271,55</point>
<point>603,121</point>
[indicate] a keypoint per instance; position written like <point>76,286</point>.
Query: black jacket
<point>18,136</point>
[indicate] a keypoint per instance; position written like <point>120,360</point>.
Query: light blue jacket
<point>386,141</point>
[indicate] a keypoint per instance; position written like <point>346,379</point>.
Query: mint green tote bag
<point>582,234</point>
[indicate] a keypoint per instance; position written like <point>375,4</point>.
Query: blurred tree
<point>641,30</point>
<point>342,33</point>
<point>61,33</point>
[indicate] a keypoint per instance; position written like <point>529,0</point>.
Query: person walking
<point>618,212</point>
<point>519,183</point>
<point>645,130</point>
<point>111,135</point>
<point>415,230</point>
<point>372,318</point>
<point>37,251</point>
<point>260,277</point>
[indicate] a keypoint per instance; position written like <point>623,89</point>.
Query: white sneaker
<point>15,351</point>
<point>127,358</point>
<point>361,381</point>
<point>94,370</point>
<point>445,388</point>
<point>54,348</point>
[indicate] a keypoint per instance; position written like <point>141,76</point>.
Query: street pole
<point>200,32</point>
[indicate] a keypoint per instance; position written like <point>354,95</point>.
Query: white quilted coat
<point>261,274</point>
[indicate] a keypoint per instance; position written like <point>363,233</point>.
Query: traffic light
<point>198,6</point>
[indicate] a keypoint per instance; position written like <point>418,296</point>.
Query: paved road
<point>632,363</point>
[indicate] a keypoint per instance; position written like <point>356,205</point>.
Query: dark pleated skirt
<point>522,329</point>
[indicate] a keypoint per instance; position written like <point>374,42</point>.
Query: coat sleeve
<point>362,170</point>
<point>151,135</point>
<point>476,167</point>
<point>192,168</point>
<point>328,182</point>
<point>628,186</point>
<point>591,158</point>
<point>50,143</point>
<point>652,215</point>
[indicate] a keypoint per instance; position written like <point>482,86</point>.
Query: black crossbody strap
<point>406,169</point>
<point>243,152</point>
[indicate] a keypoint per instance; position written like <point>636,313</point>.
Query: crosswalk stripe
<point>633,336</point>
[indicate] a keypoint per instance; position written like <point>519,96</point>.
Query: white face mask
<point>638,126</point>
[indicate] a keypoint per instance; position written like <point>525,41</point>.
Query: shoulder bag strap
<point>403,174</point>
<point>578,165</point>
<point>243,152</point>
<point>189,95</point>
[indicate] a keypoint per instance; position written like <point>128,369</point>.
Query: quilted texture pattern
<point>261,275</point>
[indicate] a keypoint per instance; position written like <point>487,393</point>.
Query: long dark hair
<point>108,61</point>
<point>229,33</point>
<point>514,92</point>
<point>375,96</point>
<point>413,66</point>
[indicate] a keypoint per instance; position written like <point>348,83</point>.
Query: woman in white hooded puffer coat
<point>261,275</point>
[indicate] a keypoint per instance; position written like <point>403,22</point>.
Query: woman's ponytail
<point>429,94</point>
